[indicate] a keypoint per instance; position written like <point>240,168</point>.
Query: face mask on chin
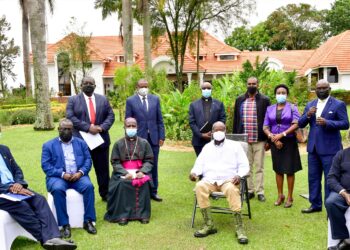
<point>66,136</point>
<point>252,90</point>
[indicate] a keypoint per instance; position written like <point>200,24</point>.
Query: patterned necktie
<point>144,104</point>
<point>92,111</point>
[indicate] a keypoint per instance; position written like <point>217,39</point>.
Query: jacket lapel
<point>84,106</point>
<point>326,108</point>
<point>98,107</point>
<point>59,151</point>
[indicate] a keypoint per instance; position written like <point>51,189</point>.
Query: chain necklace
<point>127,149</point>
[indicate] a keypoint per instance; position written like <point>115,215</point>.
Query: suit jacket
<point>53,163</point>
<point>326,139</point>
<point>150,121</point>
<point>13,167</point>
<point>77,111</point>
<point>339,174</point>
<point>197,119</point>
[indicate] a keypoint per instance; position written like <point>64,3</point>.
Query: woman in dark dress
<point>281,121</point>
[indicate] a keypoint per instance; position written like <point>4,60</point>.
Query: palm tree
<point>37,23</point>
<point>127,32</point>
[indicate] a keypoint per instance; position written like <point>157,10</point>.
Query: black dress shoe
<point>344,245</point>
<point>65,231</point>
<point>251,195</point>
<point>261,197</point>
<point>144,221</point>
<point>90,228</point>
<point>123,222</point>
<point>311,210</point>
<point>333,248</point>
<point>57,243</point>
<point>156,197</point>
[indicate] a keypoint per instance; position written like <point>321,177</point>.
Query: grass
<point>270,227</point>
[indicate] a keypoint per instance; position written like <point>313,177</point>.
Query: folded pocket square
<point>330,112</point>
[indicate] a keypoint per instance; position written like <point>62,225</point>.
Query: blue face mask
<point>206,93</point>
<point>131,132</point>
<point>281,98</point>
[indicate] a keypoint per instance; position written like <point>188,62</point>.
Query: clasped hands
<point>235,180</point>
<point>19,189</point>
<point>72,177</point>
<point>139,175</point>
<point>275,138</point>
<point>95,129</point>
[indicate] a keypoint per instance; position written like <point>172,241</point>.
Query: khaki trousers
<point>203,189</point>
<point>256,155</point>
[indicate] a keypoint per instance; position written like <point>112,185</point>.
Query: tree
<point>295,27</point>
<point>338,17</point>
<point>37,22</point>
<point>8,53</point>
<point>180,19</point>
<point>127,32</point>
<point>76,47</point>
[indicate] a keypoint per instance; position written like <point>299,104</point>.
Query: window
<point>200,58</point>
<point>332,75</point>
<point>63,74</point>
<point>226,57</point>
<point>121,59</point>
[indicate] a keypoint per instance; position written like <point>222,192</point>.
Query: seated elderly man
<point>338,201</point>
<point>66,162</point>
<point>221,164</point>
<point>33,214</point>
<point>129,196</point>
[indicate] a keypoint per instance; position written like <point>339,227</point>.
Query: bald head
<point>64,122</point>
<point>206,85</point>
<point>142,83</point>
<point>322,82</point>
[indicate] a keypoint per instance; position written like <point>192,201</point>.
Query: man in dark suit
<point>33,214</point>
<point>326,117</point>
<point>66,162</point>
<point>338,201</point>
<point>92,113</point>
<point>145,108</point>
<point>203,113</point>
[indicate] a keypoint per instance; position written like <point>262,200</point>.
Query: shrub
<point>342,94</point>
<point>23,116</point>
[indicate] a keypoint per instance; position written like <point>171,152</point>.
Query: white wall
<point>96,72</point>
<point>344,82</point>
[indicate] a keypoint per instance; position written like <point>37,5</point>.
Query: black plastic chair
<point>243,186</point>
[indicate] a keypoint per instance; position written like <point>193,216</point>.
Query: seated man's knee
<point>332,200</point>
<point>201,186</point>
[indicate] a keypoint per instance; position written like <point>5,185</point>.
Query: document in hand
<point>15,197</point>
<point>93,141</point>
<point>205,128</point>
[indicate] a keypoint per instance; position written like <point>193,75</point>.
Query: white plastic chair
<point>10,230</point>
<point>333,242</point>
<point>75,207</point>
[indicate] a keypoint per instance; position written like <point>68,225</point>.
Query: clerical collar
<point>206,99</point>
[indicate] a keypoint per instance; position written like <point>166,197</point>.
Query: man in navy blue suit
<point>145,108</point>
<point>326,117</point>
<point>66,162</point>
<point>91,113</point>
<point>203,113</point>
<point>33,214</point>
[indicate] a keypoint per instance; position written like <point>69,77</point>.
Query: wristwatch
<point>284,134</point>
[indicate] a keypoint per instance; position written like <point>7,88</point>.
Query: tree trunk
<point>25,45</point>
<point>2,83</point>
<point>147,38</point>
<point>37,21</point>
<point>127,32</point>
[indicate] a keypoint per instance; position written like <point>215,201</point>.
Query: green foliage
<point>258,70</point>
<point>338,17</point>
<point>342,94</point>
<point>23,116</point>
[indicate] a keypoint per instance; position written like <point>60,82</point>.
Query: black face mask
<point>322,94</point>
<point>252,90</point>
<point>88,89</point>
<point>66,136</point>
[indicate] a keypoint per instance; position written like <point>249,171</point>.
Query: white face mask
<point>143,91</point>
<point>219,135</point>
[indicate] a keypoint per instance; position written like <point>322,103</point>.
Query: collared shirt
<point>219,164</point>
<point>321,104</point>
<point>207,102</point>
<point>146,99</point>
<point>88,102</point>
<point>5,174</point>
<point>69,158</point>
<point>250,119</point>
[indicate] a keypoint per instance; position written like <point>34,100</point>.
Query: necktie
<point>144,104</point>
<point>92,111</point>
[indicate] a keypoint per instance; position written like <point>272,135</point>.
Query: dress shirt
<point>88,102</point>
<point>69,158</point>
<point>320,106</point>
<point>220,163</point>
<point>146,99</point>
<point>5,174</point>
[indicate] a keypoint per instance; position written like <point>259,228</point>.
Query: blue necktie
<point>144,104</point>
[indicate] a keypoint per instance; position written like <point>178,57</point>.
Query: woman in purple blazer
<point>281,120</point>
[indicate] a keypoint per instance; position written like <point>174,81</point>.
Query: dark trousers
<point>34,215</point>
<point>100,159</point>
<point>198,149</point>
<point>318,164</point>
<point>83,186</point>
<point>155,150</point>
<point>336,207</point>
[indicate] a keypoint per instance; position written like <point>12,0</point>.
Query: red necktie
<point>92,111</point>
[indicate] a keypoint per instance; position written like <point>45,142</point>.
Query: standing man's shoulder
<point>337,101</point>
<point>130,98</point>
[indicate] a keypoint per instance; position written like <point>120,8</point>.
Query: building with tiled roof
<point>216,59</point>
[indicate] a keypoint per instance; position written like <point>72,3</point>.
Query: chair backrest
<point>242,138</point>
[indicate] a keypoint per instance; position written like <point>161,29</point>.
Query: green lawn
<point>270,227</point>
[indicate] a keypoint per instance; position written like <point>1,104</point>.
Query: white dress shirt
<point>218,164</point>
<point>88,102</point>
<point>146,99</point>
<point>320,106</point>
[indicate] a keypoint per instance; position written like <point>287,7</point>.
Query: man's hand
<point>140,175</point>
<point>161,142</point>
<point>67,177</point>
<point>76,176</point>
<point>94,129</point>
<point>346,196</point>
<point>278,144</point>
<point>128,177</point>
<point>25,192</point>
<point>206,136</point>
<point>99,128</point>
<point>236,180</point>
<point>312,111</point>
<point>193,177</point>
<point>16,188</point>
<point>321,121</point>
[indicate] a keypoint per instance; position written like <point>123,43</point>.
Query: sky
<point>85,13</point>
